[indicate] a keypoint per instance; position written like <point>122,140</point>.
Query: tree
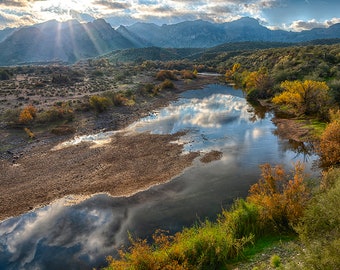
<point>307,97</point>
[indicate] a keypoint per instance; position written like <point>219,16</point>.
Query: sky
<point>291,15</point>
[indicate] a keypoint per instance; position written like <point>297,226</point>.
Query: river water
<point>80,236</point>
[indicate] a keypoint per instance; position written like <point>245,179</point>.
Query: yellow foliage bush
<point>307,97</point>
<point>27,114</point>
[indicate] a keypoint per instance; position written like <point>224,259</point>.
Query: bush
<point>330,144</point>
<point>275,261</point>
<point>11,116</point>
<point>60,79</point>
<point>100,104</point>
<point>282,198</point>
<point>58,112</point>
<point>27,114</point>
<point>165,74</point>
<point>167,84</point>
<point>188,74</point>
<point>319,229</point>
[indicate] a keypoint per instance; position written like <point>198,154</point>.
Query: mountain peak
<point>245,21</point>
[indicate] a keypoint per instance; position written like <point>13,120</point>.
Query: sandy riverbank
<point>126,165</point>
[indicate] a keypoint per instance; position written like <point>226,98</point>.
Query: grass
<point>317,126</point>
<point>265,243</point>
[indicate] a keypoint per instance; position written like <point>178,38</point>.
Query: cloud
<point>300,25</point>
<point>112,4</point>
<point>15,19</point>
<point>16,3</point>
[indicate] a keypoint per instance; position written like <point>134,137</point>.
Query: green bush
<point>319,230</point>
<point>100,104</point>
<point>275,261</point>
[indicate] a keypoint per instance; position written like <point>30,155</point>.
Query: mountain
<point>5,33</point>
<point>138,41</point>
<point>55,41</point>
<point>71,40</point>
<point>203,34</point>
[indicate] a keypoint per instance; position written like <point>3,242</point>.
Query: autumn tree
<point>307,97</point>
<point>27,114</point>
<point>330,144</point>
<point>230,74</point>
<point>282,197</point>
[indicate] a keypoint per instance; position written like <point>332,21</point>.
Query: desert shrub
<point>149,88</point>
<point>275,261</point>
<point>29,133</point>
<point>27,114</point>
<point>60,111</point>
<point>281,197</point>
<point>60,79</point>
<point>119,99</point>
<point>165,74</point>
<point>188,74</point>
<point>99,103</point>
<point>11,116</point>
<point>330,144</point>
<point>319,229</point>
<point>167,84</point>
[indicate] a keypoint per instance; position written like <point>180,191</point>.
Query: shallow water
<point>59,236</point>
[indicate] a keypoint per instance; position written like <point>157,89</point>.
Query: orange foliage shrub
<point>282,198</point>
<point>188,74</point>
<point>27,114</point>
<point>165,74</point>
<point>330,144</point>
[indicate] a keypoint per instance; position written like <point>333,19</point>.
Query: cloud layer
<point>284,14</point>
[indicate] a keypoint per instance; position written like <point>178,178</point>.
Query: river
<point>80,236</point>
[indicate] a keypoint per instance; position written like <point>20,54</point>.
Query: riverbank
<point>37,176</point>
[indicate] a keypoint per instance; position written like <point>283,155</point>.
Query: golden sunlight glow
<point>60,10</point>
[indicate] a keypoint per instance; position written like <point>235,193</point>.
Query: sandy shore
<point>126,165</point>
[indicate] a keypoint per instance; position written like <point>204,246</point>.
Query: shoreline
<point>125,166</point>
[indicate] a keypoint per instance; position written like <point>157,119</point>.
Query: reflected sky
<point>80,236</point>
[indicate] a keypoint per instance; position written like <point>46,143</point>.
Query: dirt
<point>211,156</point>
<point>34,175</point>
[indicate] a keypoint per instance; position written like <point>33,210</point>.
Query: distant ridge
<point>54,41</point>
<point>70,41</point>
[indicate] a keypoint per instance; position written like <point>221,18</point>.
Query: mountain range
<point>70,41</point>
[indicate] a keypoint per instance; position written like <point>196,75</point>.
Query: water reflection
<point>80,236</point>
